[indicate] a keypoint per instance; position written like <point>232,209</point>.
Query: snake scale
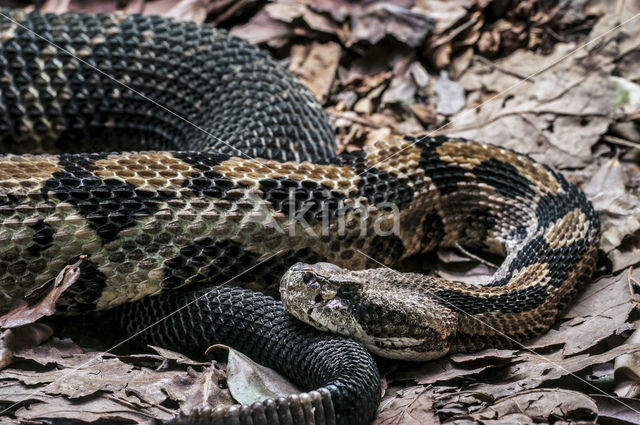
<point>173,198</point>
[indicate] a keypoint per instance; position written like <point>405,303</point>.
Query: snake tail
<point>339,373</point>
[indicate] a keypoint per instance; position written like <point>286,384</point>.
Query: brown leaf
<point>339,10</point>
<point>619,211</point>
<point>445,13</point>
<point>407,406</point>
<point>263,29</point>
<point>288,12</point>
<point>628,365</point>
<point>366,83</point>
<point>556,117</point>
<point>60,374</point>
<point>20,337</point>
<point>250,382</point>
<point>617,410</point>
<point>401,90</point>
<point>42,300</point>
<point>542,406</point>
<point>531,370</point>
<point>599,312</point>
<point>316,66</point>
<point>381,19</point>
<point>190,10</point>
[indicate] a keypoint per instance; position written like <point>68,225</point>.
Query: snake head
<point>322,295</point>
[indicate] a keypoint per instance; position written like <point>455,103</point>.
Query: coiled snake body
<point>190,205</point>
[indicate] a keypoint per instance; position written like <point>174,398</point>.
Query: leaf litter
<point>383,70</point>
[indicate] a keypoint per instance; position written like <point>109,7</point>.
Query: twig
<point>503,70</point>
<point>622,142</point>
<point>475,257</point>
<point>354,119</point>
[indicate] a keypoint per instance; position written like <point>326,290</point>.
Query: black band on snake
<point>180,209</point>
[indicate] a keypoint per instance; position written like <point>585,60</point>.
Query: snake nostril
<point>318,298</point>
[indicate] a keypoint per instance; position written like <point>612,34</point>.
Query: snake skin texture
<point>238,100</point>
<point>177,209</point>
<point>342,372</point>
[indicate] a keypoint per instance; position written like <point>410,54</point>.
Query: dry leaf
<point>380,19</point>
<point>264,29</point>
<point>599,312</point>
<point>190,10</point>
<point>407,406</point>
<point>445,13</point>
<point>21,337</point>
<point>557,117</point>
<point>542,406</point>
<point>451,97</point>
<point>42,300</point>
<point>316,66</point>
<point>250,382</point>
<point>59,374</point>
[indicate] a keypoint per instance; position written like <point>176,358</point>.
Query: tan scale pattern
<point>399,157</point>
<point>570,228</point>
<point>26,173</point>
<point>249,172</point>
<point>146,170</point>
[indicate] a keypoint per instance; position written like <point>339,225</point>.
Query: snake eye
<point>346,292</point>
<point>307,277</point>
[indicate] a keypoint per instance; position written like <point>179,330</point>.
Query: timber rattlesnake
<point>181,211</point>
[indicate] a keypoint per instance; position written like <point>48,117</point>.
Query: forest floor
<point>558,80</point>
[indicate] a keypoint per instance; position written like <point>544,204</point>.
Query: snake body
<point>187,204</point>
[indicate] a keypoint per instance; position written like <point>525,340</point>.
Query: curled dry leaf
<point>628,365</point>
<point>250,382</point>
<point>42,301</point>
